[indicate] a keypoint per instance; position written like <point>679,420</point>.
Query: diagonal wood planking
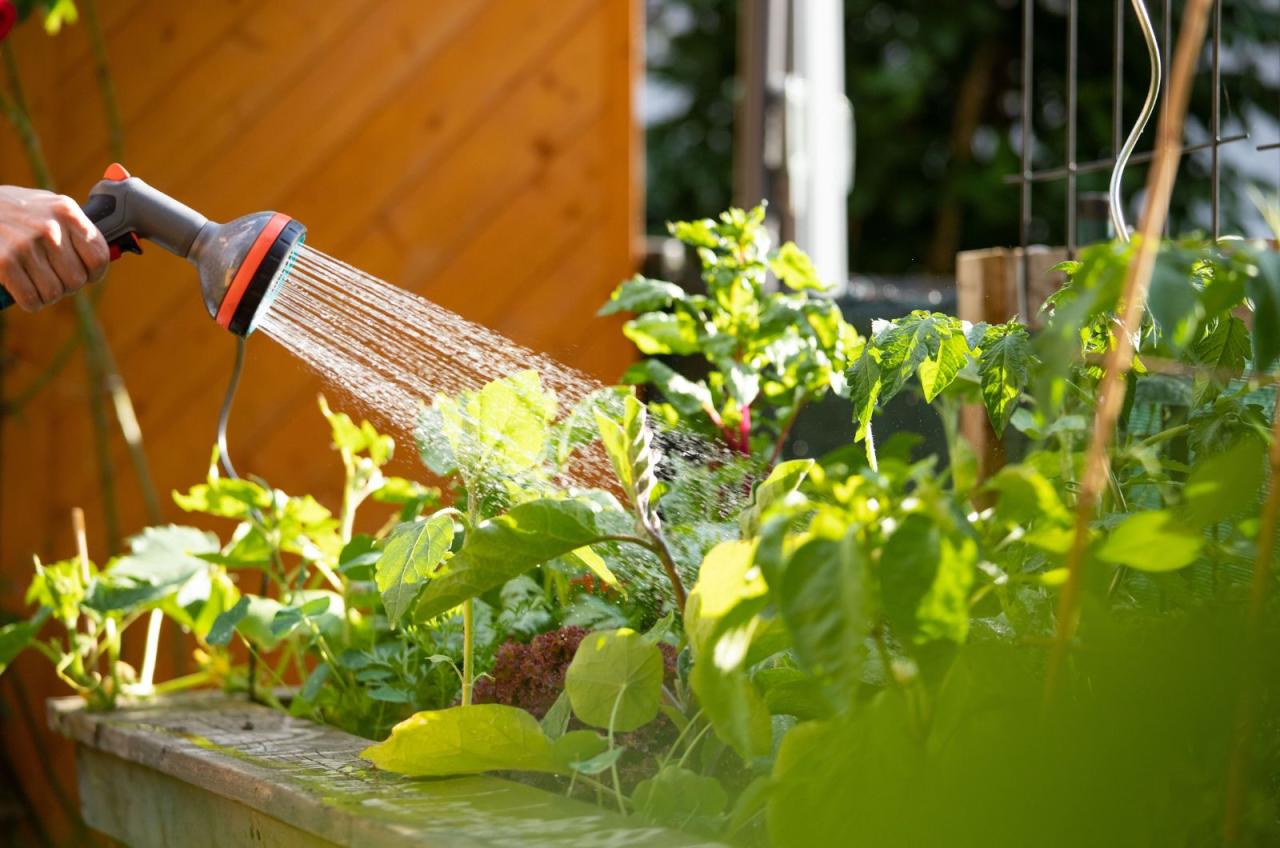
<point>481,152</point>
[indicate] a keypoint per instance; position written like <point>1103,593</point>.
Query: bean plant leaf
<point>465,740</point>
<point>642,294</point>
<point>411,554</point>
<point>15,637</point>
<point>784,479</point>
<point>615,680</point>
<point>499,430</point>
<point>924,581</point>
<point>1152,541</point>
<point>527,535</point>
<point>225,624</point>
<point>1003,368</point>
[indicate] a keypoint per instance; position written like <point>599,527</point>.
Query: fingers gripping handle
<point>125,209</point>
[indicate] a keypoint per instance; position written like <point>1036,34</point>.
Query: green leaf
<point>1002,371</point>
<point>15,637</point>
<point>1027,497</point>
<point>1263,288</point>
<point>726,579</point>
<point>287,618</point>
<point>500,430</point>
<point>675,796</point>
<point>937,371</point>
<point>600,762</point>
<point>641,294</point>
<point>924,581</point>
<point>160,562</point>
<point>577,747</point>
<point>226,623</point>
<point>615,680</point>
<point>784,479</point>
<point>465,740</point>
<point>411,554</point>
<point>528,535</point>
<point>1152,541</point>
<point>224,498</point>
<point>657,333</point>
<point>690,398</point>
<point>734,706</point>
<point>795,269</point>
<point>629,445</point>
<point>909,342</point>
<point>864,390</point>
<point>1225,485</point>
<point>1173,300</point>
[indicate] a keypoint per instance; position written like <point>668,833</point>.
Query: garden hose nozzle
<point>240,263</point>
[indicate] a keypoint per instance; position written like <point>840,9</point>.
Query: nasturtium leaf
<point>1225,485</point>
<point>795,269</point>
<point>642,294</point>
<point>15,637</point>
<point>615,680</point>
<point>1152,541</point>
<point>924,581</point>
<point>465,740</point>
<point>675,796</point>
<point>657,333</point>
<point>784,479</point>
<point>527,535</point>
<point>1003,367</point>
<point>409,557</point>
<point>578,746</point>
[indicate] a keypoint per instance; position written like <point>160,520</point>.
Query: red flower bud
<point>8,17</point>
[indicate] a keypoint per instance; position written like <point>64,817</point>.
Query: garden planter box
<point>210,770</point>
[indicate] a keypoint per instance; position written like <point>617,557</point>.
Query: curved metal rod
<point>1148,108</point>
<point>224,414</point>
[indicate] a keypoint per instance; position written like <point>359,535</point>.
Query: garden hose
<point>1148,107</point>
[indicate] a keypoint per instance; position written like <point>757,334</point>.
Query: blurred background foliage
<point>935,89</point>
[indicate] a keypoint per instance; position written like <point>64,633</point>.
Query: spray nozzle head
<point>242,263</point>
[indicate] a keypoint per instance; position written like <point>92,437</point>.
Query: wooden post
<point>987,290</point>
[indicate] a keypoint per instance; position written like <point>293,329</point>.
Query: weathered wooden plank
<point>207,765</point>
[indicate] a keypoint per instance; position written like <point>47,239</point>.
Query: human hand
<point>48,247</point>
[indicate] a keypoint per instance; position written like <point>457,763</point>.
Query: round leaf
<point>615,680</point>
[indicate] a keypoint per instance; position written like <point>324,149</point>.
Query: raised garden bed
<point>211,770</point>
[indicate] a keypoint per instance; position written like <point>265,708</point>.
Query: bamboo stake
<point>1160,179</point>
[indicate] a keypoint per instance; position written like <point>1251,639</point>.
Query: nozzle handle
<point>131,206</point>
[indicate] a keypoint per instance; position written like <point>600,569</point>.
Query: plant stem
<point>1111,391</point>
<point>784,433</point>
<point>102,70</point>
<point>468,649</point>
<point>146,678</point>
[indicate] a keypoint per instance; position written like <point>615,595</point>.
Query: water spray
<point>241,263</point>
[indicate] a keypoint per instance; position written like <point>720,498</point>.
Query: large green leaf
<point>1225,485</point>
<point>1152,541</point>
<point>726,579</point>
<point>15,637</point>
<point>924,581</point>
<point>1002,370</point>
<point>657,333</point>
<point>465,740</point>
<point>411,554</point>
<point>795,269</point>
<point>499,430</point>
<point>615,680</point>
<point>526,536</point>
<point>676,796</point>
<point>641,294</point>
<point>909,342</point>
<point>160,562</point>
<point>784,479</point>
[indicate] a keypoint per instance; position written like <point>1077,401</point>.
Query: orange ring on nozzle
<point>249,267</point>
